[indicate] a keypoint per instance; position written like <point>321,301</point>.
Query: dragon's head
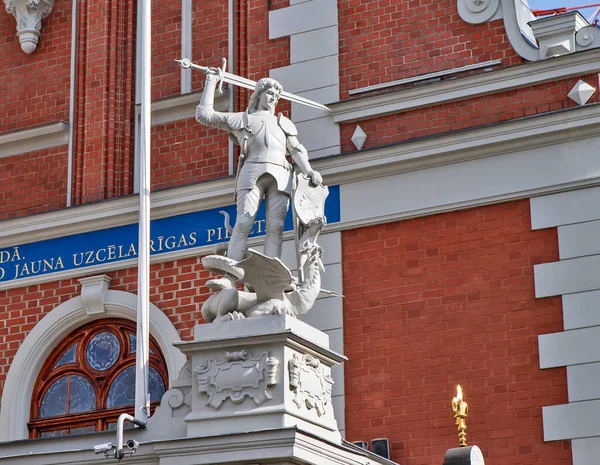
<point>312,255</point>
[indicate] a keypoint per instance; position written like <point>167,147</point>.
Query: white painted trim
<point>426,77</point>
<point>30,140</point>
<point>43,338</point>
<point>527,74</point>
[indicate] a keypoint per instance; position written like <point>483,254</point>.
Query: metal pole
<point>142,400</point>
<point>72,95</point>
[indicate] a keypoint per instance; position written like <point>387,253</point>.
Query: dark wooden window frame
<point>100,380</point>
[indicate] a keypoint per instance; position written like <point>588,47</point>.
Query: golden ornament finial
<point>461,410</point>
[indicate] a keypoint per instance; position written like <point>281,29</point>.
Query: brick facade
<point>429,302</point>
<point>444,300</point>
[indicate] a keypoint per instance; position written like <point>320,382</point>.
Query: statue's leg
<point>277,203</point>
<point>247,205</point>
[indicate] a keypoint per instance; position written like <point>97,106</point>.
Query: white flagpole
<point>142,397</point>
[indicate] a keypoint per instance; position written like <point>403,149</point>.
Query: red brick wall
<point>186,152</point>
<point>464,114</point>
<point>35,88</point>
<point>33,183</point>
<point>383,41</point>
<point>444,300</point>
<point>177,288</point>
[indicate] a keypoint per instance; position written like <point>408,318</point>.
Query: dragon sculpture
<point>272,289</point>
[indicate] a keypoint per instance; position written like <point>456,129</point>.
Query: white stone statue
<point>264,172</point>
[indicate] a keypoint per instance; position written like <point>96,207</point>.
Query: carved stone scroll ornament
<point>236,377</point>
<point>29,15</point>
<point>477,11</point>
<point>587,37</point>
<point>310,383</point>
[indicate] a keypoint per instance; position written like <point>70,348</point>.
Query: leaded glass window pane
<point>133,345</point>
<point>82,430</point>
<point>157,387</point>
<point>70,356</point>
<point>103,351</point>
<point>122,389</point>
<point>82,397</point>
<point>54,402</point>
<point>53,434</point>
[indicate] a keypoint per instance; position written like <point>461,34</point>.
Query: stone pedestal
<point>261,374</point>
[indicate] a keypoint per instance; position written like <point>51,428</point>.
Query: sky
<point>547,4</point>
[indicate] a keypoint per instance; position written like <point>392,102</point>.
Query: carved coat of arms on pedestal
<point>310,383</point>
<point>237,376</point>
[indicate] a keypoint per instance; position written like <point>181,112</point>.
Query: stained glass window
<point>103,351</point>
<point>68,394</point>
<point>122,389</point>
<point>89,380</point>
<point>68,357</point>
<point>133,344</point>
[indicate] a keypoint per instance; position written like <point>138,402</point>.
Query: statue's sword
<point>248,83</point>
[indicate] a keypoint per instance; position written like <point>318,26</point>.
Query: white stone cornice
<point>460,146</point>
<point>29,15</point>
<point>30,140</point>
<point>527,74</point>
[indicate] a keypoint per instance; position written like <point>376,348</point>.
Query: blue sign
<point>181,232</point>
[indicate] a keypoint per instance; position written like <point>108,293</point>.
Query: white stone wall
<point>314,70</point>
<point>576,276</point>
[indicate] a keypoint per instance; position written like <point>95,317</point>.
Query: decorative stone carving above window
<point>533,39</point>
<point>516,15</point>
<point>29,15</point>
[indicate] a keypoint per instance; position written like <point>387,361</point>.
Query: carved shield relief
<point>309,200</point>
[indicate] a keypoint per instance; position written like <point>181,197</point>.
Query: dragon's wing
<point>268,276</point>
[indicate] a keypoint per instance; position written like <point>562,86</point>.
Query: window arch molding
<point>56,325</point>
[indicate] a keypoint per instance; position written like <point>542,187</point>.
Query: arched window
<point>89,380</point>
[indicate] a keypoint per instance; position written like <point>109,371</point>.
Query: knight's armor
<point>265,140</point>
<point>265,147</point>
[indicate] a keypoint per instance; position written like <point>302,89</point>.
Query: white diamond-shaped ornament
<point>581,92</point>
<point>358,138</point>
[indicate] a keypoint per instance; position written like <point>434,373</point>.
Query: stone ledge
<point>34,139</point>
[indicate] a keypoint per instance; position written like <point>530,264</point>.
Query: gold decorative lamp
<point>461,410</point>
<point>462,455</point>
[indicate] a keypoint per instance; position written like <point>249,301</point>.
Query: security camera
<point>103,448</point>
<point>133,444</point>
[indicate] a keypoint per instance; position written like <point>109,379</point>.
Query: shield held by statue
<point>309,201</point>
